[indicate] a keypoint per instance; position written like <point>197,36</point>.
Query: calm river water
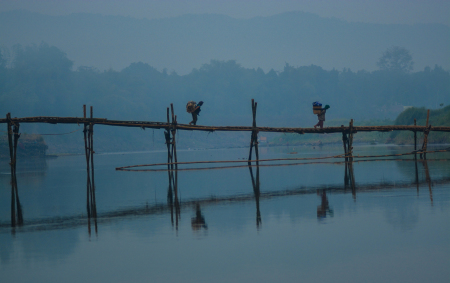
<point>387,221</point>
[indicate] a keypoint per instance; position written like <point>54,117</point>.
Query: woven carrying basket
<point>190,106</point>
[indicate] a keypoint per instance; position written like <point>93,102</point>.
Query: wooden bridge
<point>171,126</point>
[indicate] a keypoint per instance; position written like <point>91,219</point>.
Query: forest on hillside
<point>39,80</point>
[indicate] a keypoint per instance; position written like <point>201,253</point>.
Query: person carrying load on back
<point>320,114</point>
<point>194,109</point>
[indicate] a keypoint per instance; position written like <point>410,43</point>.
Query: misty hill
<point>186,42</point>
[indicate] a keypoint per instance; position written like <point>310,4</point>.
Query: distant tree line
<point>39,80</point>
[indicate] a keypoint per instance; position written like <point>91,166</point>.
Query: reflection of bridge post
<point>417,173</point>
<point>256,191</point>
<point>15,204</point>
<point>172,195</point>
<point>254,137</point>
<point>324,208</point>
<point>172,165</point>
<point>13,130</point>
<point>91,206</point>
<point>170,192</point>
<point>428,179</point>
<point>349,178</point>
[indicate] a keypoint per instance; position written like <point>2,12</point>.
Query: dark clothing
<point>194,119</point>
<point>194,115</point>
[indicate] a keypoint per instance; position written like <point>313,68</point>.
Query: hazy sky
<point>373,11</point>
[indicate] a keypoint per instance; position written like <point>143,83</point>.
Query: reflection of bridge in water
<point>174,205</point>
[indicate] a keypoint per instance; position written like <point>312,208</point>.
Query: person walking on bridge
<point>321,117</point>
<point>194,109</point>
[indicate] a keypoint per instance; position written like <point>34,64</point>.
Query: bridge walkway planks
<point>165,125</point>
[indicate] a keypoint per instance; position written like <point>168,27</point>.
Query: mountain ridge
<point>185,42</point>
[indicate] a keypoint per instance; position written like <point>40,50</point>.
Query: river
<point>384,220</point>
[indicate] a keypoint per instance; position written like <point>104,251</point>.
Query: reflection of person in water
<point>324,207</point>
<point>198,221</point>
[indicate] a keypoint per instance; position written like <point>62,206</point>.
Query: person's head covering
<point>200,103</point>
<point>327,106</point>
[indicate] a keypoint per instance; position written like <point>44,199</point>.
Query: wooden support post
<point>254,137</point>
<point>10,141</point>
<point>344,141</point>
<point>88,151</point>
<point>174,130</point>
<point>415,139</point>
<point>350,141</point>
<point>350,164</point>
<point>11,164</point>
<point>88,171</point>
<point>16,139</point>
<point>14,176</point>
<point>91,131</point>
<point>251,139</point>
<point>425,138</point>
<point>167,136</point>
<point>13,130</point>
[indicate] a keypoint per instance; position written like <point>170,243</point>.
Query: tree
<point>397,59</point>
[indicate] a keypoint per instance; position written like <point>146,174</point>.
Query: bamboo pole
<point>91,130</point>
<point>427,131</point>
<point>167,137</point>
<point>350,141</point>
<point>11,164</point>
<point>415,139</point>
<point>10,141</point>
<point>87,155</point>
<point>255,139</point>
<point>425,138</point>
<point>344,142</point>
<point>251,139</point>
<point>16,128</point>
<point>16,138</point>
<point>254,135</point>
<point>174,130</point>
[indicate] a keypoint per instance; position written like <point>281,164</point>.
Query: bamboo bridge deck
<point>169,125</point>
